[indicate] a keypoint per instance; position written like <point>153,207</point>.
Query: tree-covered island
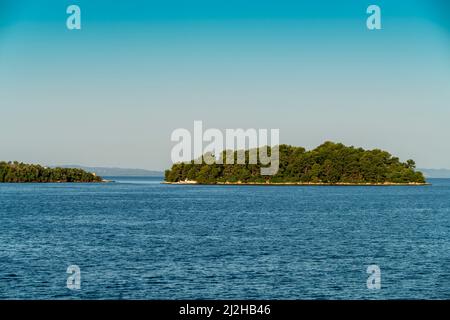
<point>330,163</point>
<point>20,172</point>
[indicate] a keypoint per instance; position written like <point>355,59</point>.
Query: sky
<point>112,93</point>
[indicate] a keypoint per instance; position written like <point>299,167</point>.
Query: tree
<point>21,172</point>
<point>328,163</point>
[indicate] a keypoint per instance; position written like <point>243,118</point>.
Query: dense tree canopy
<point>21,172</point>
<point>329,163</point>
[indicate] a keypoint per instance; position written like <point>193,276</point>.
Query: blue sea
<point>140,239</point>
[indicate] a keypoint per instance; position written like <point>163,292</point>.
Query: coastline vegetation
<point>329,163</point>
<point>20,172</point>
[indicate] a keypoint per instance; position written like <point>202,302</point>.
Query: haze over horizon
<point>111,94</point>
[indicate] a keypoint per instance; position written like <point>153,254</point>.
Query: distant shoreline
<point>65,182</point>
<point>304,184</point>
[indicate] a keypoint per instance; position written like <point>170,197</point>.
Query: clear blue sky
<point>111,93</point>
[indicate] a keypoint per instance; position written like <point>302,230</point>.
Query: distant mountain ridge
<point>436,173</point>
<point>130,172</point>
<point>118,172</point>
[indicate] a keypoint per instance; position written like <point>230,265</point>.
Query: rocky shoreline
<point>193,182</point>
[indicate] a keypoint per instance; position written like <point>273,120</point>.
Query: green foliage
<point>21,172</point>
<point>329,163</point>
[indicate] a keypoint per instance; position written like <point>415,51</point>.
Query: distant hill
<point>436,173</point>
<point>117,172</point>
<point>18,172</point>
<point>130,172</point>
<point>329,163</point>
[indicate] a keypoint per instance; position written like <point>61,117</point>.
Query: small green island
<point>17,172</point>
<point>328,164</point>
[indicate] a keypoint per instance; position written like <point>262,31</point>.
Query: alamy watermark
<point>74,278</point>
<point>373,22</point>
<point>73,22</point>
<point>190,147</point>
<point>374,279</point>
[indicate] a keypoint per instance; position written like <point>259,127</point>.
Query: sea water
<point>140,239</point>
